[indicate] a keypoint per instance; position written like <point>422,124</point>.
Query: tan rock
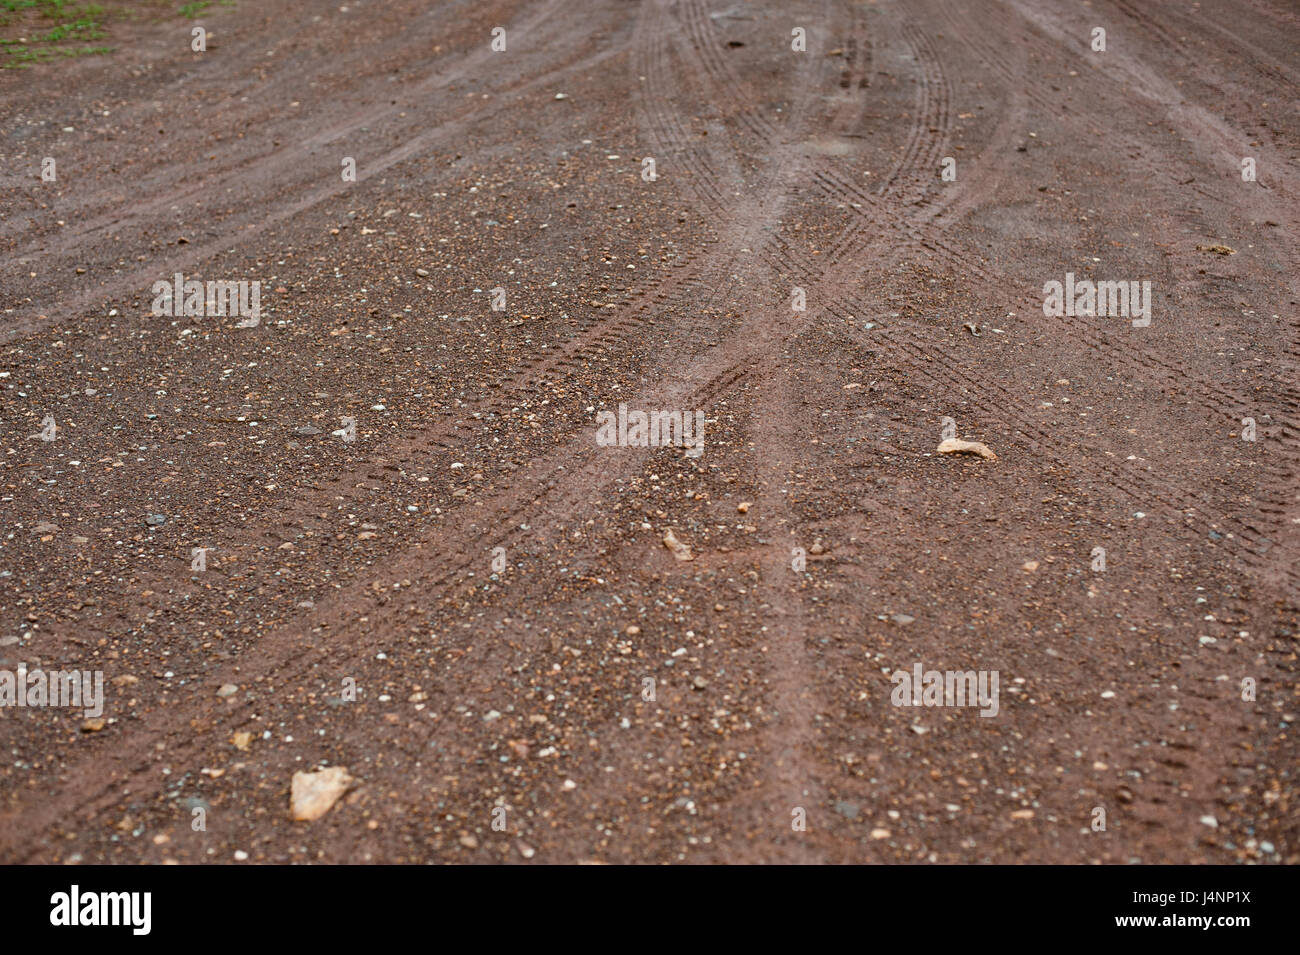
<point>958,446</point>
<point>680,550</point>
<point>313,794</point>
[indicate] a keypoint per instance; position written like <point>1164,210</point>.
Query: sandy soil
<point>832,546</point>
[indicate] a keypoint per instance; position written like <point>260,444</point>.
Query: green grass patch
<point>42,31</point>
<point>37,31</point>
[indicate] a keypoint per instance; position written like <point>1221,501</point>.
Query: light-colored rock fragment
<point>680,550</point>
<point>958,446</point>
<point>312,794</point>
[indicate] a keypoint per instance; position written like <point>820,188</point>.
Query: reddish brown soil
<point>372,560</point>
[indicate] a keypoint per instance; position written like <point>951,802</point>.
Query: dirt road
<point>369,520</point>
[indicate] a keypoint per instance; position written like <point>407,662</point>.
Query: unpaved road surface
<point>467,601</point>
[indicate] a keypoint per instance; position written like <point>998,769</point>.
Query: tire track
<point>1275,73</point>
<point>243,228</point>
<point>237,168</point>
<point>282,664</point>
<point>635,315</point>
<point>1241,537</point>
